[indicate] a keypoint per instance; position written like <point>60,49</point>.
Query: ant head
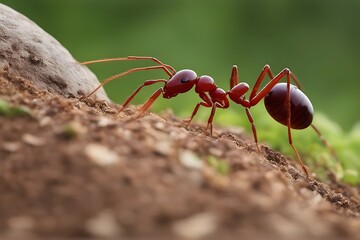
<point>237,93</point>
<point>180,82</point>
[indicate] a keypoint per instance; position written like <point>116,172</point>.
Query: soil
<point>76,169</point>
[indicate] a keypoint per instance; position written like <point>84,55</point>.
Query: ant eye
<point>184,80</point>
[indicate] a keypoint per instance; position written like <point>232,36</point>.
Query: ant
<point>285,103</point>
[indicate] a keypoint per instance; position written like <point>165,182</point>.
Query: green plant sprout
<point>73,130</point>
<point>220,166</point>
<point>13,111</point>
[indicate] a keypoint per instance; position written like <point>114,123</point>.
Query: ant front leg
<point>150,101</point>
<point>169,69</point>
<point>146,83</point>
<point>126,73</point>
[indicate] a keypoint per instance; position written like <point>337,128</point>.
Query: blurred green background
<point>318,40</point>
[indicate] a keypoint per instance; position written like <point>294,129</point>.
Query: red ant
<point>286,103</point>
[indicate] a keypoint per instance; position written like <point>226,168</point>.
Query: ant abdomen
<point>302,111</point>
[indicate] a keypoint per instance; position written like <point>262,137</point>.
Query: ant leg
<point>207,103</point>
<point>265,70</point>
<point>256,97</point>
<point>146,83</point>
<point>125,73</point>
<point>251,120</point>
<point>288,110</point>
<point>195,111</point>
<point>211,117</point>
<point>326,143</point>
<point>169,69</point>
<point>234,79</point>
<point>212,114</point>
<point>150,101</point>
<point>296,152</point>
<point>297,82</point>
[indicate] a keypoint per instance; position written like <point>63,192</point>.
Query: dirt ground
<point>79,170</point>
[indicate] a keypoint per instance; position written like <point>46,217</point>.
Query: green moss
<point>13,111</point>
<point>73,130</point>
<point>220,166</point>
<point>351,176</point>
<point>316,155</point>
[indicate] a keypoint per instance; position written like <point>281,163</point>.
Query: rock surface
<point>28,51</point>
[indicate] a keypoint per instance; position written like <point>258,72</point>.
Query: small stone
<point>190,160</point>
<point>21,223</point>
<point>11,146</point>
<point>216,152</point>
<point>105,122</point>
<point>179,135</point>
<point>101,155</point>
<point>159,126</point>
<point>164,148</point>
<point>287,229</point>
<point>45,121</point>
<point>103,225</point>
<point>196,226</point>
<point>33,140</point>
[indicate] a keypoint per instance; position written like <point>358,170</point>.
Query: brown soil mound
<point>78,170</point>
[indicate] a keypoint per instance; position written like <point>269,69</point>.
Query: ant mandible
<point>286,103</point>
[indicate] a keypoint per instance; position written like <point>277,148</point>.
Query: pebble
<point>105,122</point>
<point>190,160</point>
<point>21,223</point>
<point>164,147</point>
<point>45,121</point>
<point>101,155</point>
<point>104,225</point>
<point>33,140</point>
<point>196,226</point>
<point>11,146</point>
<point>216,152</point>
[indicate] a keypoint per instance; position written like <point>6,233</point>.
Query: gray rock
<point>28,51</point>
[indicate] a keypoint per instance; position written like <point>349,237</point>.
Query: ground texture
<point>79,170</point>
